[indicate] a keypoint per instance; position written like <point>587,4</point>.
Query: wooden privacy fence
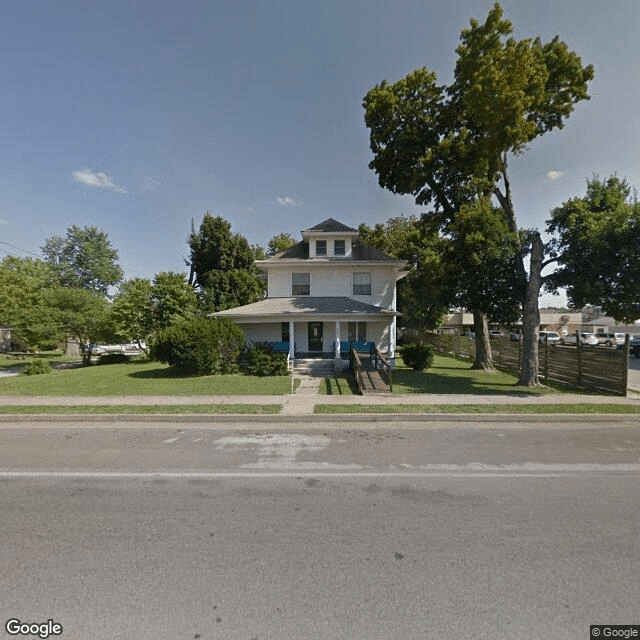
<point>599,369</point>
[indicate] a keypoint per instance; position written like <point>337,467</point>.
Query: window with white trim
<point>321,247</point>
<point>362,283</point>
<point>338,248</point>
<point>357,331</point>
<point>300,284</point>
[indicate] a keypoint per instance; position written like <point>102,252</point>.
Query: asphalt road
<point>355,532</point>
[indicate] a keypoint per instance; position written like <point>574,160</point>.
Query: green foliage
<point>479,263</point>
<point>597,246</point>
<point>23,305</point>
<point>81,314</point>
<point>417,355</point>
<point>261,360</point>
<point>83,259</point>
<point>222,266</point>
<point>420,295</point>
<point>36,367</point>
<point>200,346</point>
<point>172,299</point>
<point>113,358</point>
<point>280,243</point>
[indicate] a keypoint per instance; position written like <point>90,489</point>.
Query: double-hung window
<point>362,283</point>
<point>300,284</point>
<point>357,331</point>
<point>338,248</point>
<point>321,247</point>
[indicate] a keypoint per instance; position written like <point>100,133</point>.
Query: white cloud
<point>4,223</point>
<point>288,201</point>
<point>552,176</point>
<point>99,180</point>
<point>149,183</point>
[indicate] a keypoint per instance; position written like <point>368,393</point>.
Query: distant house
<point>325,293</point>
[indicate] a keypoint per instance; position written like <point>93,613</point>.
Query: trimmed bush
<point>36,367</point>
<point>200,346</point>
<point>113,358</point>
<point>261,360</point>
<point>417,355</point>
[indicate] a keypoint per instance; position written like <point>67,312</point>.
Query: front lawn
<point>139,379</point>
<point>449,375</point>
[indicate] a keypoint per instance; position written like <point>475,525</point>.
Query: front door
<point>315,336</point>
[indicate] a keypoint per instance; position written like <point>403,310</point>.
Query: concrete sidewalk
<point>307,396</point>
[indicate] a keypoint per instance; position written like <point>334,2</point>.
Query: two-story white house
<point>324,293</point>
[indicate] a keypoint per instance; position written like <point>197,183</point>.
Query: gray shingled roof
<point>359,251</point>
<point>330,225</point>
<point>331,306</point>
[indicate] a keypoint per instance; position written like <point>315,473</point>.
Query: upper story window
<point>321,247</point>
<point>300,284</point>
<point>338,248</point>
<point>362,283</point>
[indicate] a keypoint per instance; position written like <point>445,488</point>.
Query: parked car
<point>515,336</point>
<point>470,334</point>
<point>586,339</point>
<point>495,333</point>
<point>550,337</point>
<point>634,345</point>
<point>611,339</point>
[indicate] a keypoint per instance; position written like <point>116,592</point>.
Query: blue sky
<point>139,116</point>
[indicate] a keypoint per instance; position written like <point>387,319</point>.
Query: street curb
<point>323,418</point>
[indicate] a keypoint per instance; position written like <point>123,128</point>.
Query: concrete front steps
<point>318,367</point>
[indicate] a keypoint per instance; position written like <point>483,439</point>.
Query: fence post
<point>625,365</point>
<point>545,370</point>
<point>579,348</point>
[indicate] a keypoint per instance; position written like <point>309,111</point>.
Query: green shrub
<point>113,358</point>
<point>200,346</point>
<point>261,360</point>
<point>36,367</point>
<point>417,355</point>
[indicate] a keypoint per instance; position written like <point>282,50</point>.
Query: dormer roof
<point>330,226</point>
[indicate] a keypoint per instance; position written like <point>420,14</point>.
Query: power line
<point>37,255</point>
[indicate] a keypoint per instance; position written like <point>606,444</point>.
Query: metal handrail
<point>380,363</point>
<point>356,367</point>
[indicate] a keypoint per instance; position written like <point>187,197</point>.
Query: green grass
<point>172,409</point>
<point>9,362</point>
<point>342,385</point>
<point>452,376</point>
<point>479,408</point>
<point>135,379</point>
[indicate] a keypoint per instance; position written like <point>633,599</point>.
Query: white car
<point>550,337</point>
<point>586,339</point>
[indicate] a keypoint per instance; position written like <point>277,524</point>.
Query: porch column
<point>292,338</point>
<point>392,341</point>
<point>337,360</point>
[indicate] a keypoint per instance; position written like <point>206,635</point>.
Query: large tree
<point>597,246</point>
<point>23,304</point>
<point>450,145</point>
<point>222,265</point>
<point>81,314</point>
<point>83,259</point>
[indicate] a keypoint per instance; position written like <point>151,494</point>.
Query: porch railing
<point>380,363</point>
<point>356,367</point>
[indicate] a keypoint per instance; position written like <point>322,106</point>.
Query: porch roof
<point>307,307</point>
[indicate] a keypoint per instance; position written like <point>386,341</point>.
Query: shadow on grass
<point>334,385</point>
<point>162,373</point>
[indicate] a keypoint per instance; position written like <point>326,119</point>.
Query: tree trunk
<point>531,317</point>
<point>484,359</point>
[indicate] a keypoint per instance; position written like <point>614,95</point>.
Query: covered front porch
<point>317,328</point>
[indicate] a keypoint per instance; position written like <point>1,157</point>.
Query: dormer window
<point>338,248</point>
<point>321,247</point>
